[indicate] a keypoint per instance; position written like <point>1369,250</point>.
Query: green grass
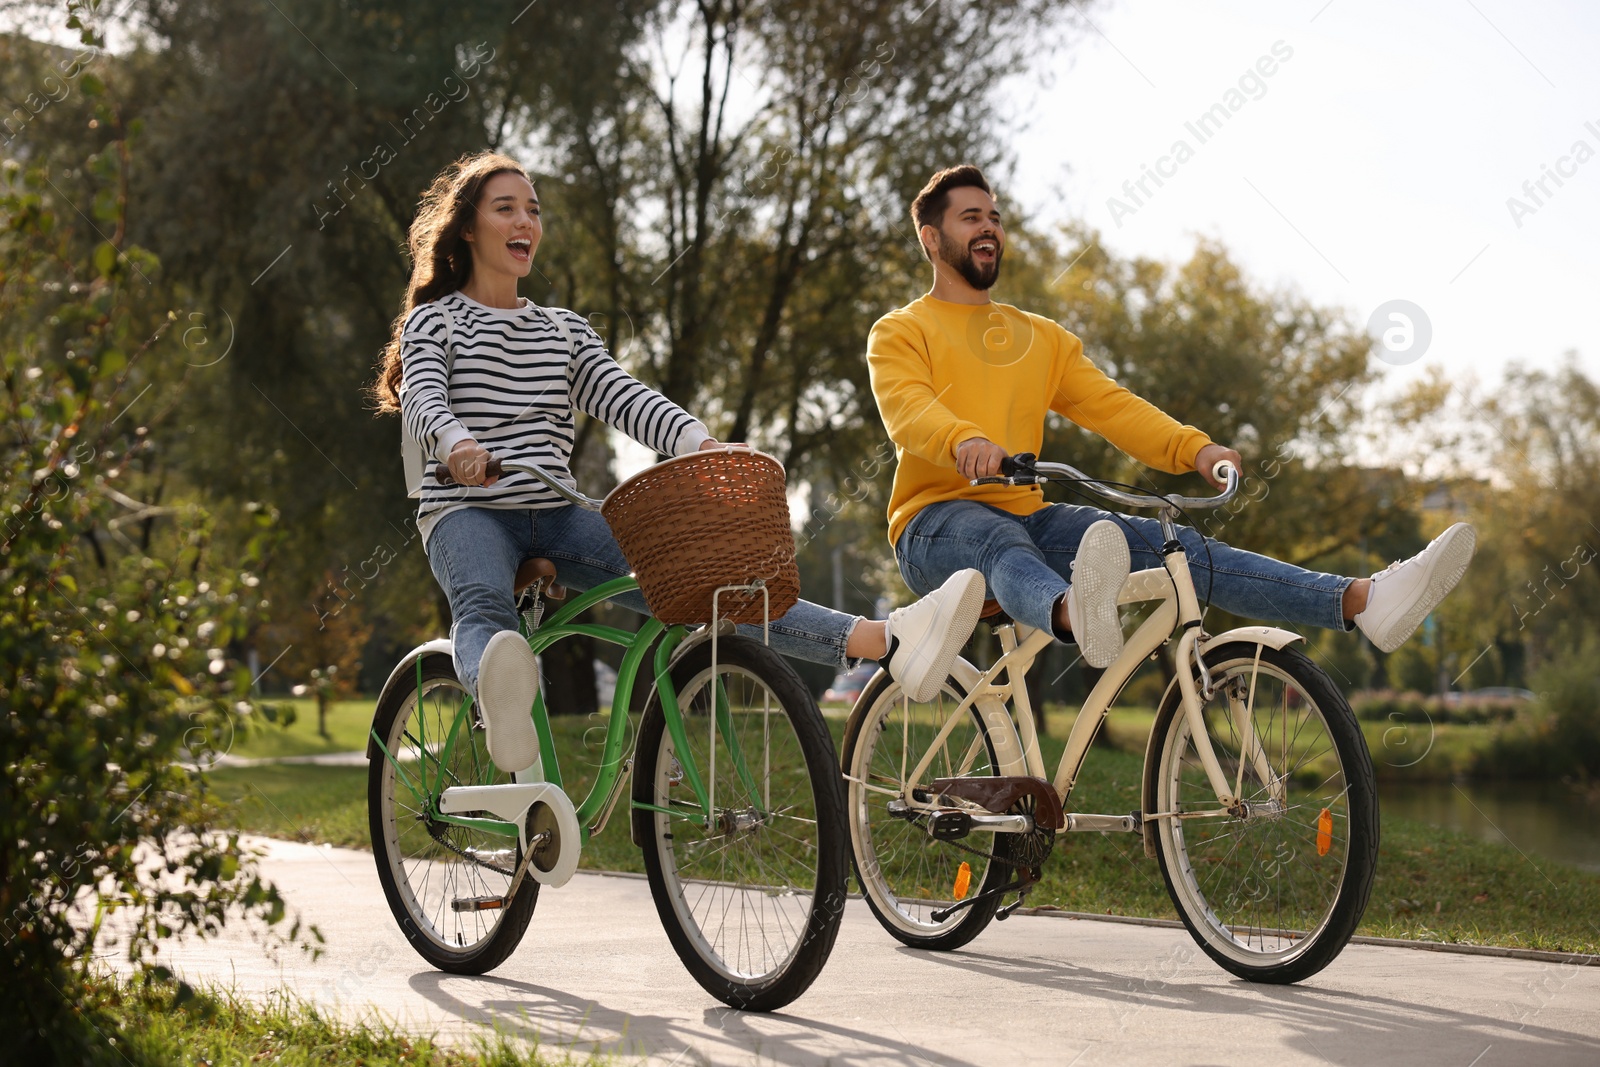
<point>161,1024</point>
<point>297,802</point>
<point>308,803</point>
<point>1426,752</point>
<point>1431,884</point>
<point>348,723</point>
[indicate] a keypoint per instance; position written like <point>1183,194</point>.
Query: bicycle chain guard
<point>997,793</point>
<point>535,807</point>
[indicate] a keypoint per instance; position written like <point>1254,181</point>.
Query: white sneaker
<point>1404,593</point>
<point>925,637</point>
<point>1098,573</point>
<point>508,680</point>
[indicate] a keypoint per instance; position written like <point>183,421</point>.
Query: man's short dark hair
<point>929,207</point>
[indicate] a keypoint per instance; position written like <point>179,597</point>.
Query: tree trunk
<point>1380,668</point>
<point>1035,682</point>
<point>569,677</point>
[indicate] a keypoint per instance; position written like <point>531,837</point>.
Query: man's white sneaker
<point>925,637</point>
<point>1098,573</point>
<point>508,680</point>
<point>1403,593</point>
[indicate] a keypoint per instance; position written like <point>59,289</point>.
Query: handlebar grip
<point>1220,470</point>
<point>442,475</point>
<point>1019,464</point>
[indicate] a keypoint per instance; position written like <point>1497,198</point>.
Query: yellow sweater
<point>943,373</point>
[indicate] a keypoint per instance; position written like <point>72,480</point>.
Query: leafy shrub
<point>114,671</point>
<point>1562,740</point>
<point>1386,705</point>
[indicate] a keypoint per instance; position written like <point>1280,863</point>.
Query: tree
<point>743,187</point>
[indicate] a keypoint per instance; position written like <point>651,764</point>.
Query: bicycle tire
<point>752,906</point>
<point>425,864</point>
<point>1276,897</point>
<point>902,870</point>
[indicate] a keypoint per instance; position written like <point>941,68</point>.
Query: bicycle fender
<point>1271,636</point>
<point>700,636</point>
<point>408,665</point>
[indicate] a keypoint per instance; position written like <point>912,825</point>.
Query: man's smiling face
<point>971,238</point>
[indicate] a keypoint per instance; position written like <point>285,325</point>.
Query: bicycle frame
<point>1015,736</point>
<point>594,811</point>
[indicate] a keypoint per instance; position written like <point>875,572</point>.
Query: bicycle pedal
<point>477,903</point>
<point>949,825</point>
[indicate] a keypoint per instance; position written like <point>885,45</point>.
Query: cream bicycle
<point>1258,798</point>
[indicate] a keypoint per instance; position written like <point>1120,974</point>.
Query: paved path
<point>595,971</point>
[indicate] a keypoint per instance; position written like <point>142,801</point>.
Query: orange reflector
<point>1324,832</point>
<point>963,881</point>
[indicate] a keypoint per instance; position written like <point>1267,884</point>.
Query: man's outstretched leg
<point>1388,607</point>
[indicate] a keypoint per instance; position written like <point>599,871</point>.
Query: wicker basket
<point>708,519</point>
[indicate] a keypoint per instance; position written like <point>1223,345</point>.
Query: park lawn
<point>1426,752</point>
<point>167,1024</point>
<point>329,804</point>
<point>1432,884</point>
<point>348,723</point>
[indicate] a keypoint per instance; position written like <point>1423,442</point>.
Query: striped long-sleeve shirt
<point>513,387</point>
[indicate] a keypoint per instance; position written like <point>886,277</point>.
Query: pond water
<point>1550,821</point>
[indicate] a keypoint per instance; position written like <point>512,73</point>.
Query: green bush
<point>114,665</point>
<point>1562,738</point>
<point>1386,705</point>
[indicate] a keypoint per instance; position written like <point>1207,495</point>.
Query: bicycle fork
<point>1196,695</point>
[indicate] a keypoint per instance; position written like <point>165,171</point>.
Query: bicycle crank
<point>1026,879</point>
<point>952,824</point>
<point>1001,794</point>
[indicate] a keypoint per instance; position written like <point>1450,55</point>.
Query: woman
<point>512,390</point>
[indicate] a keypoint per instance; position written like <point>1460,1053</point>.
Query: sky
<point>1368,156</point>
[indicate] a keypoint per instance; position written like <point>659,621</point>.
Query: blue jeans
<point>1027,562</point>
<point>475,553</point>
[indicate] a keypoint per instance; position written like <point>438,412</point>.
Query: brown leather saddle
<point>993,613</point>
<point>538,570</point>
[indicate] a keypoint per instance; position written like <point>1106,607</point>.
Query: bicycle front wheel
<point>751,897</point>
<point>1274,891</point>
<point>906,875</point>
<point>437,876</point>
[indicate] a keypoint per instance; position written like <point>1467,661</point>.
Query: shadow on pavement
<point>1335,1025</point>
<point>557,1020</point>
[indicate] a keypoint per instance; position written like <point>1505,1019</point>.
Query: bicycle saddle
<point>993,614</point>
<point>535,569</point>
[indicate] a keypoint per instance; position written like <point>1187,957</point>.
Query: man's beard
<point>961,259</point>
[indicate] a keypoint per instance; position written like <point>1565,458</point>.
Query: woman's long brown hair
<point>441,259</point>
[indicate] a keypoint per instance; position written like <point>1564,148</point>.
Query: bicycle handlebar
<point>1025,469</point>
<point>497,467</point>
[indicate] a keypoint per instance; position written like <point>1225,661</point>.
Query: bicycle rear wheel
<point>1275,895</point>
<point>751,903</point>
<point>905,874</point>
<point>429,868</point>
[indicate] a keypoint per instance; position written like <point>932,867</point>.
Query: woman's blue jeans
<point>1027,562</point>
<point>475,553</point>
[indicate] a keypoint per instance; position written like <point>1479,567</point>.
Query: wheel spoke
<point>1263,892</point>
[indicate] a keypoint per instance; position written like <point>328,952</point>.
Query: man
<point>962,382</point>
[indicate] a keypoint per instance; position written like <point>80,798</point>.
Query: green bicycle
<point>735,801</point>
